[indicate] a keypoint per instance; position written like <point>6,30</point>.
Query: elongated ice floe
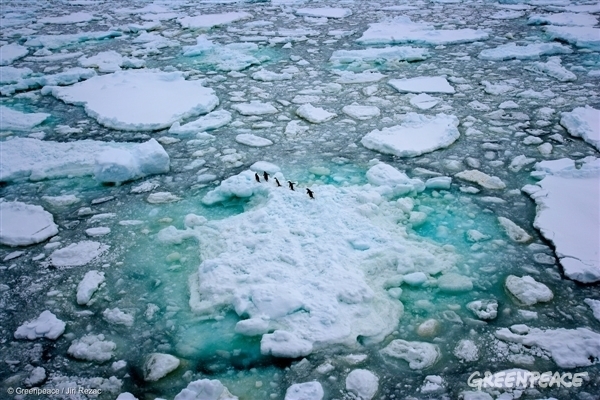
<point>568,214</point>
<point>9,53</point>
<point>553,68</point>
<point>53,42</point>
<point>14,120</point>
<point>583,122</point>
<point>110,61</point>
<point>385,54</point>
<point>527,52</point>
<point>422,84</point>
<point>568,19</point>
<point>142,100</point>
<point>305,269</point>
<point>24,224</point>
<point>403,30</point>
<point>208,122</point>
<point>207,21</point>
<point>66,77</point>
<point>72,18</point>
<point>418,134</point>
<point>77,254</point>
<point>33,159</point>
<point>585,37</point>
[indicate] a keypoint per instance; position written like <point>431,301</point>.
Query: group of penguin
<point>290,183</point>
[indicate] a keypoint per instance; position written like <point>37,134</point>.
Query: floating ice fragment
<point>88,286</point>
<point>46,325</point>
<point>362,383</point>
<point>527,290</point>
<point>25,224</point>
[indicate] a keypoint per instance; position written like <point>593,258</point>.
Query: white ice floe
<point>88,286</point>
<point>117,317</point>
<point>482,179</point>
<point>66,77</point>
<point>139,100</point>
<point>13,75</point>
<point>208,122</point>
<point>586,37</point>
<point>403,30</point>
<point>92,348</point>
<point>9,53</point>
<point>454,283</point>
<point>595,306</point>
<point>418,355</point>
<point>64,200</point>
<point>362,383</point>
<point>567,19</point>
<point>346,77</point>
<point>73,18</point>
<point>252,140</point>
<point>162,198</point>
<point>26,158</point>
<point>77,254</point>
<point>361,112</point>
<point>158,365</point>
<point>229,57</point>
<point>527,52</point>
<point>466,350</point>
<point>514,231</point>
<point>327,12</point>
<point>424,101</point>
<point>305,391</point>
<point>316,115</point>
<point>553,68</point>
<point>507,14</point>
<point>418,134</point>
<point>269,76</point>
<point>205,389</point>
<point>386,54</point>
<point>110,61</point>
<point>207,21</point>
<point>583,122</point>
<point>527,290</point>
<point>25,224</point>
<point>54,42</point>
<point>255,108</point>
<point>45,326</point>
<point>568,215</point>
<point>422,84</point>
<point>484,309</point>
<point>569,348</point>
<point>288,274</point>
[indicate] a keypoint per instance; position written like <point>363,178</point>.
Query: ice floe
<point>585,37</point>
<point>73,18</point>
<point>45,326</point>
<point>139,100</point>
<point>528,52</point>
<point>362,383</point>
<point>207,21</point>
<point>205,389</point>
<point>88,286</point>
<point>110,61</point>
<point>422,84</point>
<point>208,122</point>
<point>527,290</point>
<point>316,115</point>
<point>418,355</point>
<point>567,214</point>
<point>327,12</point>
<point>159,365</point>
<point>53,42</point>
<point>9,53</point>
<point>583,122</point>
<point>305,391</point>
<point>77,254</point>
<point>25,224</point>
<point>92,348</point>
<point>361,112</point>
<point>568,19</point>
<point>418,134</point>
<point>254,108</point>
<point>553,68</point>
<point>482,179</point>
<point>379,55</point>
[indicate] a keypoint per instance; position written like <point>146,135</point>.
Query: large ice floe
<point>311,272</point>
<point>418,134</point>
<point>33,159</point>
<point>568,214</point>
<point>403,30</point>
<point>142,100</point>
<point>583,122</point>
<point>25,224</point>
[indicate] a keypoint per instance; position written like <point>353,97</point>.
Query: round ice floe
<point>205,389</point>
<point>92,348</point>
<point>527,290</point>
<point>141,100</point>
<point>158,365</point>
<point>77,254</point>
<point>304,391</point>
<point>419,355</point>
<point>25,224</point>
<point>466,350</point>
<point>46,325</point>
<point>88,286</point>
<point>362,383</point>
<point>428,328</point>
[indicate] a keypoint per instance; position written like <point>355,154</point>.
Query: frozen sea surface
<point>236,199</point>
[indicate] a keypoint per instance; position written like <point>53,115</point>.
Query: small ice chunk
<point>415,278</point>
<point>362,383</point>
<point>454,283</point>
<point>98,231</point>
<point>9,53</point>
<point>305,391</point>
<point>466,350</point>
<point>595,306</point>
<point>25,224</point>
<point>419,355</point>
<point>117,317</point>
<point>484,309</point>
<point>92,348</point>
<point>158,365</point>
<point>527,290</point>
<point>514,232</point>
<point>61,201</point>
<point>252,140</point>
<point>327,12</point>
<point>208,122</point>
<point>361,112</point>
<point>205,389</point>
<point>77,254</point>
<point>254,108</point>
<point>45,326</point>
<point>482,179</point>
<point>88,286</point>
<point>208,21</point>
<point>423,101</point>
<point>162,198</point>
<point>439,183</point>
<point>269,76</point>
<point>36,376</point>
<point>528,52</point>
<point>284,344</point>
<point>316,115</point>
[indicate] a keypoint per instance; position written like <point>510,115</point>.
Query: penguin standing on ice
<point>310,193</point>
<point>256,177</point>
<point>291,185</point>
<point>266,176</point>
<point>277,182</point>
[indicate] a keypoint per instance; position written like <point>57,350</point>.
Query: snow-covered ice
<point>583,122</point>
<point>418,355</point>
<point>527,290</point>
<point>213,120</point>
<point>205,389</point>
<point>422,84</point>
<point>361,112</point>
<point>9,53</point>
<point>139,100</point>
<point>25,224</point>
<point>531,51</point>
<point>88,286</point>
<point>362,383</point>
<point>387,54</point>
<point>158,365</point>
<point>254,108</point>
<point>45,326</point>
<point>92,348</point>
<point>252,140</point>
<point>13,120</point>
<point>305,391</point>
<point>586,37</point>
<point>327,12</point>
<point>316,115</point>
<point>418,134</point>
<point>77,254</point>
<point>207,21</point>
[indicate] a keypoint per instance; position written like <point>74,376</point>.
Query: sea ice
<point>110,61</point>
<point>419,355</point>
<point>326,12</point>
<point>568,19</point>
<point>379,55</point>
<point>514,232</point>
<point>54,42</point>
<point>229,57</point>
<point>418,134</point>
<point>88,286</point>
<point>484,309</point>
<point>527,290</point>
<point>92,348</point>
<point>568,215</point>
<point>139,100</point>
<point>583,122</point>
<point>25,224</point>
<point>208,122</point>
<point>73,18</point>
<point>569,348</point>
<point>585,37</point>
<point>252,140</point>
<point>316,115</point>
<point>554,69</point>
<point>205,389</point>
<point>422,84</point>
<point>254,108</point>
<point>158,365</point>
<point>77,254</point>
<point>361,112</point>
<point>423,101</point>
<point>45,326</point>
<point>305,391</point>
<point>466,350</point>
<point>349,77</point>
<point>528,52</point>
<point>207,21</point>
<point>13,75</point>
<point>269,76</point>
<point>12,120</point>
<point>117,317</point>
<point>482,179</point>
<point>9,53</point>
<point>362,383</point>
<point>595,306</point>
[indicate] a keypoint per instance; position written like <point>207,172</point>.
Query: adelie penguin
<point>277,182</point>
<point>256,177</point>
<point>266,176</point>
<point>291,185</point>
<point>310,193</point>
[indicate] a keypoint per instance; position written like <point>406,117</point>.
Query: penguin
<point>266,176</point>
<point>291,185</point>
<point>310,193</point>
<point>256,177</point>
<point>277,182</point>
